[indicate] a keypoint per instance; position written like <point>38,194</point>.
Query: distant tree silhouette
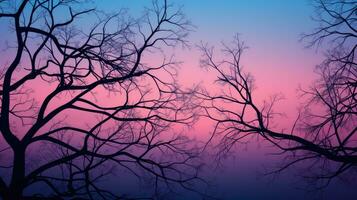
<point>324,134</point>
<point>78,100</point>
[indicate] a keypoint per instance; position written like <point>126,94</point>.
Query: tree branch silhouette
<point>62,68</point>
<point>323,135</point>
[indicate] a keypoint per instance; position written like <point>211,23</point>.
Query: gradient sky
<point>271,29</point>
<point>280,63</point>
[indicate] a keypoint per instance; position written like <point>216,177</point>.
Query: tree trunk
<point>18,175</point>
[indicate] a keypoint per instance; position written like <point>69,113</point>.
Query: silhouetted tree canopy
<point>79,100</point>
<point>324,134</point>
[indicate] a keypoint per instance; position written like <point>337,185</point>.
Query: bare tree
<point>78,100</point>
<point>324,134</point>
